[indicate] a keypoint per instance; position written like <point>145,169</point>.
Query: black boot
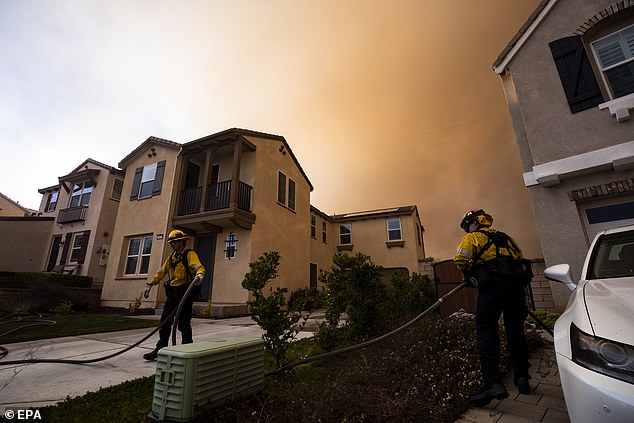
<point>151,356</point>
<point>523,387</point>
<point>487,392</point>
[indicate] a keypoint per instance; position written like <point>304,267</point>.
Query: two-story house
<point>84,207</point>
<point>568,77</point>
<point>238,194</point>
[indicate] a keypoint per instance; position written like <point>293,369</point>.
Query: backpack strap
<point>186,263</point>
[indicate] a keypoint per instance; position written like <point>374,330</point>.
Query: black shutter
<point>136,184</point>
<point>576,73</point>
<point>158,178</point>
<point>83,248</point>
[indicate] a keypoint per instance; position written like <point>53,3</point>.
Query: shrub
<point>354,288</point>
<point>280,327</point>
<point>42,297</point>
<point>410,295</point>
<point>24,279</point>
<point>308,299</point>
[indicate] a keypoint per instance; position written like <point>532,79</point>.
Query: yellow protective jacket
<point>473,242</point>
<point>175,269</point>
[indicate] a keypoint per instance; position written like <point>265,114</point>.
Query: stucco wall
<point>32,235</point>
<point>148,216</point>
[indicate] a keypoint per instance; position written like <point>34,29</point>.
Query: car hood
<point>610,305</point>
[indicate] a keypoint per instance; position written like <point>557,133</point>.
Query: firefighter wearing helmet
<point>483,256</point>
<point>181,268</point>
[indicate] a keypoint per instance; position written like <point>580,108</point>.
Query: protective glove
<point>148,288</point>
<point>472,281</point>
<point>198,279</point>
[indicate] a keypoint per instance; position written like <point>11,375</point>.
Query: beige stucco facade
<point>574,162</point>
<point>84,207</point>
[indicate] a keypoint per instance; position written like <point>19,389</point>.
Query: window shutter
<point>158,178</point>
<point>84,247</point>
<point>281,188</point>
<point>67,241</point>
<point>291,194</point>
<point>576,74</point>
<point>137,183</point>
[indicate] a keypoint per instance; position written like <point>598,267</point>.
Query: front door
<point>57,242</point>
<point>206,252</point>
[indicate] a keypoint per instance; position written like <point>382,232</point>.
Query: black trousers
<point>508,298</point>
<point>174,296</point>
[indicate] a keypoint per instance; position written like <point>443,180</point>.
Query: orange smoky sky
<point>384,103</point>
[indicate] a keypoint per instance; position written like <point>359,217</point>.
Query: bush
<point>308,299</point>
<point>280,327</point>
<point>354,288</point>
<point>42,297</point>
<point>24,279</point>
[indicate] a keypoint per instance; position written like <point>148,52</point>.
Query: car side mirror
<point>561,273</point>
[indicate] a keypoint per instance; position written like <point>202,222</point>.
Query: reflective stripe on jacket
<point>473,242</point>
<point>174,268</point>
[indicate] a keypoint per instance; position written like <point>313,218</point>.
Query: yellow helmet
<point>479,216</point>
<point>177,235</point>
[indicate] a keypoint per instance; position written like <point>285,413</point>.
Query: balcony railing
<point>72,214</point>
<point>218,197</point>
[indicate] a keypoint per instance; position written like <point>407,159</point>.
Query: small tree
<point>280,327</point>
<point>355,288</point>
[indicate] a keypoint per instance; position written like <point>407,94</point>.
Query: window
<point>230,245</point>
<point>313,226</point>
<point>285,197</point>
<point>615,57</point>
<point>117,188</point>
<point>138,258</point>
<point>345,233</point>
<point>51,202</point>
<point>148,181</point>
<point>76,248</point>
<point>323,232</point>
<point>81,194</point>
<point>607,214</point>
<point>394,229</point>
<point>281,188</point>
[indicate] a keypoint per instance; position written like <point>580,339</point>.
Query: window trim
<point>113,191</point>
<point>349,234</point>
<point>604,69</point>
<point>139,256</point>
<point>400,229</point>
<point>84,194</point>
<point>156,186</point>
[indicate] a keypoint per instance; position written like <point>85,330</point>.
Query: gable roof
<point>151,140</point>
<point>522,35</point>
<point>27,212</point>
<point>247,132</point>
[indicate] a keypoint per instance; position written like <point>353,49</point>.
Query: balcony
<point>72,214</point>
<point>217,211</point>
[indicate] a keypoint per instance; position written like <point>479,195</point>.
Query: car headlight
<point>603,356</point>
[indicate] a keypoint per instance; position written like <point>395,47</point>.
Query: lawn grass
<point>45,326</point>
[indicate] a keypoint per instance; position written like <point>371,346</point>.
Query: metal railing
<point>72,214</point>
<point>218,197</point>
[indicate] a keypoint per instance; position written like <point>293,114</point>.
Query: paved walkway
<point>545,403</point>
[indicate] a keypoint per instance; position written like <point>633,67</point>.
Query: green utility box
<point>205,373</point>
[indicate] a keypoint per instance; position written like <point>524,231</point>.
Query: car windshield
<point>614,257</point>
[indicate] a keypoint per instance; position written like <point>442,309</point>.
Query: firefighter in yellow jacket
<point>181,268</point>
<point>485,256</point>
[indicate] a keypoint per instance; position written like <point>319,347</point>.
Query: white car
<point>594,337</point>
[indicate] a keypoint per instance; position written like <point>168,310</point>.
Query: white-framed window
<point>117,188</point>
<point>51,202</point>
<point>148,181</point>
<point>345,233</point>
<point>323,232</point>
<point>81,194</point>
<point>138,256</point>
<point>394,229</point>
<point>313,226</point>
<point>285,191</point>
<point>76,247</point>
<point>614,55</point>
